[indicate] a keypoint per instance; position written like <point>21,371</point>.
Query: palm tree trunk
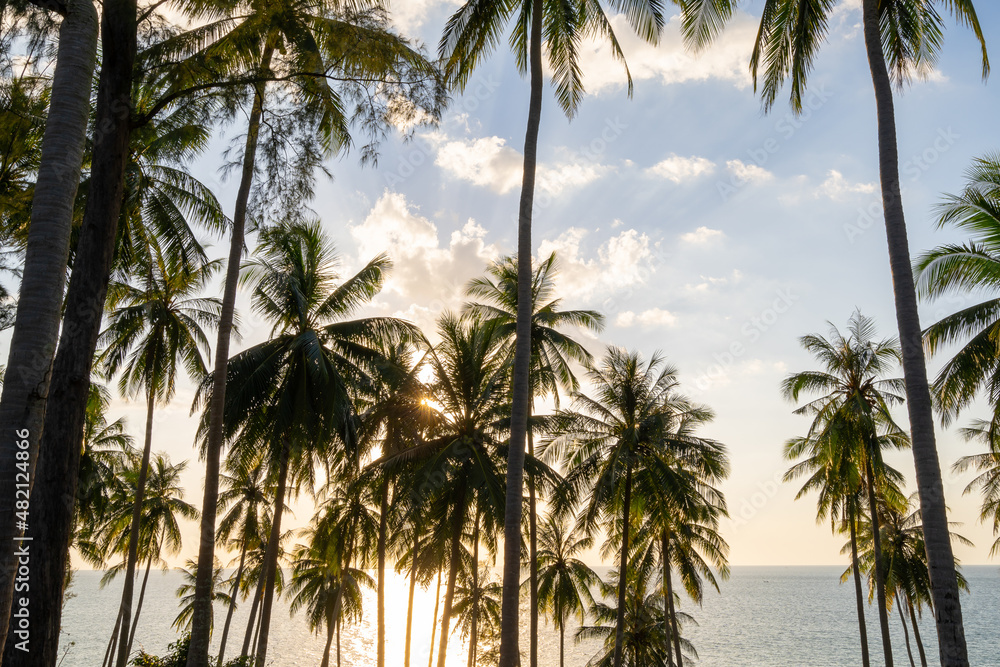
<point>43,277</point>
<point>532,553</point>
<point>201,619</point>
<point>916,633</point>
<point>623,567</point>
<point>113,642</point>
<point>138,606</point>
<point>521,390</point>
<point>937,538</point>
<point>409,604</point>
<point>862,627</point>
<point>437,601</point>
<point>454,563</point>
<point>672,610</point>
<point>271,558</point>
<point>474,633</point>
<point>562,645</point>
<point>60,445</point>
<point>382,529</point>
<point>883,616</point>
<point>133,538</point>
<point>330,625</point>
<point>668,617</point>
<point>232,603</point>
<point>251,625</point>
<point>906,633</point>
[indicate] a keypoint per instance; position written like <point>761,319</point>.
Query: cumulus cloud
<point>701,236</point>
<point>679,169</point>
<point>621,262</point>
<point>748,173</point>
<point>652,318</point>
<point>711,282</point>
<point>411,14</point>
<point>670,62</point>
<point>837,187</point>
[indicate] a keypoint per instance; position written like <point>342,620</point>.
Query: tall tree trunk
<point>110,651</point>
<point>474,633</point>
<point>382,529</point>
<point>434,624</point>
<point>201,620</point>
<point>253,614</point>
<point>880,598</point>
<point>232,603</point>
<point>532,552</point>
<point>906,633</point>
<point>521,390</point>
<point>133,538</point>
<point>672,611</point>
<point>57,470</point>
<point>455,561</point>
<point>271,558</point>
<point>338,642</point>
<point>330,625</point>
<point>862,626</point>
<point>940,559</point>
<point>138,606</point>
<point>43,278</point>
<point>562,644</point>
<point>667,617</point>
<point>409,604</point>
<point>623,567</point>
<point>916,633</point>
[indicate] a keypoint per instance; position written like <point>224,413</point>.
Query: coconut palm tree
<point>564,581</point>
<point>987,465</point>
<point>477,608</point>
<point>636,426</point>
<point>552,352</point>
<point>43,278</point>
<point>959,269</point>
<point>293,394</point>
<point>901,37</point>
<point>186,592</point>
<point>852,417</point>
<point>107,448</point>
<point>154,327</point>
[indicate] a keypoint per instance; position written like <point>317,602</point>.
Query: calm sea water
<point>765,617</point>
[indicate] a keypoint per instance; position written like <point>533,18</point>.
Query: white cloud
<point>837,187</point>
<point>670,62</point>
<point>409,15</point>
<point>701,236</point>
<point>709,282</point>
<point>678,169</point>
<point>652,318</point>
<point>748,173</point>
<point>623,261</point>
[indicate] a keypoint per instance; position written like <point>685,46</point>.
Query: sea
<point>763,617</point>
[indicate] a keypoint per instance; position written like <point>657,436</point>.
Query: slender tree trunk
<point>906,633</point>
<point>940,559</point>
<point>532,552</point>
<point>672,611</point>
<point>623,568</point>
<point>113,642</point>
<point>201,620</point>
<point>138,606</point>
<point>271,559</point>
<point>133,538</point>
<point>409,604</point>
<point>382,529</point>
<point>883,616</point>
<point>862,627</point>
<point>667,616</point>
<point>43,279</point>
<point>232,603</point>
<point>256,631</point>
<point>521,390</point>
<point>474,633</point>
<point>916,633</point>
<point>454,563</point>
<point>330,625</point>
<point>562,645</point>
<point>57,470</point>
<point>251,625</point>
<point>437,600</point>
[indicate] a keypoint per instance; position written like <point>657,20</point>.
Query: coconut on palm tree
<point>902,38</point>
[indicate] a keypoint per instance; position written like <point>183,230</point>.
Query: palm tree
<point>852,418</point>
<point>963,268</point>
<point>43,279</point>
<point>901,37</point>
<point>637,426</point>
<point>152,329</point>
<point>293,393</point>
<point>326,54</point>
<point>469,37</point>
<point>551,354</point>
<point>988,480</point>
<point>107,449</point>
<point>186,592</point>
<point>477,608</point>
<point>564,581</point>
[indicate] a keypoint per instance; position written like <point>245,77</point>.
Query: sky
<point>700,226</point>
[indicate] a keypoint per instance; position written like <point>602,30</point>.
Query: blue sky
<point>700,226</point>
